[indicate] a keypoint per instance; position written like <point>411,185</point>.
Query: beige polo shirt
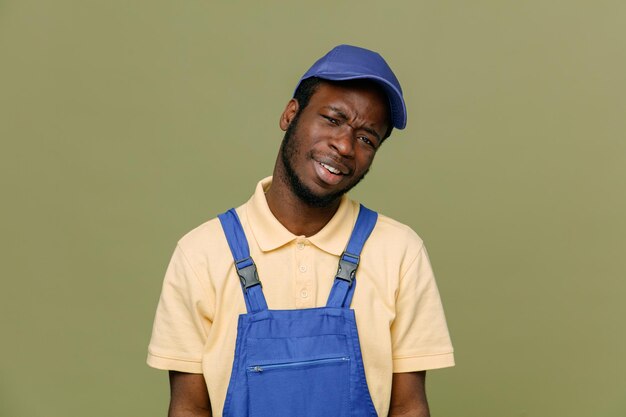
<point>399,315</point>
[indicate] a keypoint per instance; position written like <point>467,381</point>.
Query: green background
<point>124,124</point>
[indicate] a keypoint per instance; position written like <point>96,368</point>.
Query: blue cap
<point>346,62</point>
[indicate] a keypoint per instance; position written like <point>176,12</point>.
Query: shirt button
<point>302,268</point>
<point>304,294</point>
<point>300,246</point>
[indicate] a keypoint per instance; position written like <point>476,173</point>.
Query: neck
<point>297,216</point>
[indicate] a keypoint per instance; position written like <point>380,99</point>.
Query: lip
<point>343,169</point>
<point>326,176</point>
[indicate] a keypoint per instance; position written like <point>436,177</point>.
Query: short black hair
<point>309,86</point>
<point>305,91</point>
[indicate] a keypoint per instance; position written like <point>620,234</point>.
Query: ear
<point>288,114</point>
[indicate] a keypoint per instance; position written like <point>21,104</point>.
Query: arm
<point>408,395</point>
<point>189,396</point>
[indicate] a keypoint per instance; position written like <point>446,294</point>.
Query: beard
<point>288,152</point>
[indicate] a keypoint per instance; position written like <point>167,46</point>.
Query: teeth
<point>331,169</point>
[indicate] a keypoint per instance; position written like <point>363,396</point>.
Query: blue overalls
<point>298,363</point>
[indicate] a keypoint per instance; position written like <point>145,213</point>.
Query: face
<point>329,146</point>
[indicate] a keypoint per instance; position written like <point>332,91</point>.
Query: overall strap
<point>343,287</point>
<point>246,269</point>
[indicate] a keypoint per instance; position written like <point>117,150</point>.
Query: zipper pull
<point>257,369</point>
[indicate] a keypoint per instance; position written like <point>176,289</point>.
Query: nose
<point>343,141</point>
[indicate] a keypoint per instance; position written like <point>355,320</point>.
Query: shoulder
<point>390,228</point>
<point>206,245</point>
<point>203,237</point>
<point>206,251</point>
<point>389,231</point>
<point>394,241</point>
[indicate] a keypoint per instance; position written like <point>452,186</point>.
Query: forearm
<point>408,395</point>
<point>188,396</point>
<point>188,412</point>
<point>416,412</point>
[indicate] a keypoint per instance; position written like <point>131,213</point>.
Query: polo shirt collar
<point>271,234</point>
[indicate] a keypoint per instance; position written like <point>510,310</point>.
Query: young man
<point>297,225</point>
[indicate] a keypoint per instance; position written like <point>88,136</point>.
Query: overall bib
<point>298,363</point>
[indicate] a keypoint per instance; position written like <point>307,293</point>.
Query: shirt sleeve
<point>181,324</point>
<point>419,332</point>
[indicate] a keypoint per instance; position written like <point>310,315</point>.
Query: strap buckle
<point>347,267</point>
<point>247,274</point>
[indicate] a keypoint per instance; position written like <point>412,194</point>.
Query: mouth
<point>331,169</point>
<point>329,172</point>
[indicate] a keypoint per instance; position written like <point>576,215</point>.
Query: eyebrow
<point>343,116</point>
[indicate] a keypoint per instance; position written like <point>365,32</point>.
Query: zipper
<point>268,367</point>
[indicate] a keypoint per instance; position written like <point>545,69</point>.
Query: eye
<point>331,120</point>
<point>367,141</point>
